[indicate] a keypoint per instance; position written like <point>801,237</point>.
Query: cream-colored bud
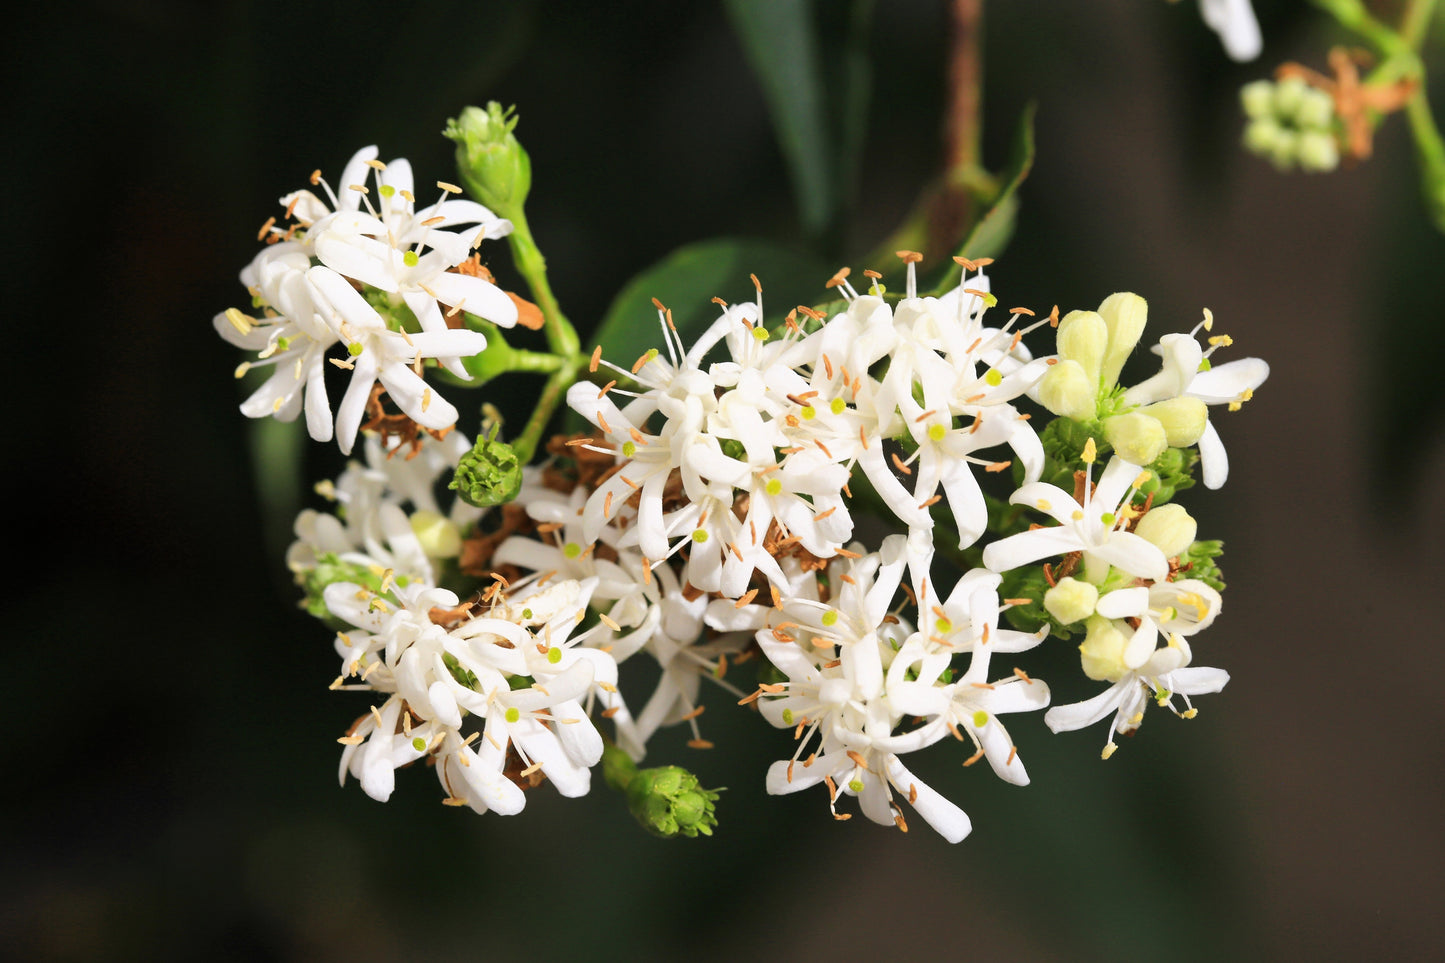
<point>1083,337</point>
<point>1316,110</point>
<point>1260,135</point>
<point>439,535</point>
<point>1257,99</point>
<point>1136,437</point>
<point>1125,314</point>
<point>1288,95</point>
<point>1071,600</point>
<point>1283,151</point>
<point>1317,152</point>
<point>1184,419</point>
<point>1169,528</point>
<point>1102,653</point>
<point>1068,392</point>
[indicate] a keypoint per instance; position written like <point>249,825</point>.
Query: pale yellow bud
<point>1068,392</point>
<point>439,536</point>
<point>1071,600</point>
<point>1168,527</point>
<point>1316,152</point>
<point>1125,314</point>
<point>1184,419</point>
<point>1102,653</point>
<point>1083,337</point>
<point>1137,438</point>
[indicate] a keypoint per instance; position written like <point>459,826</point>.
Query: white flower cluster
<point>335,275</point>
<point>709,520</point>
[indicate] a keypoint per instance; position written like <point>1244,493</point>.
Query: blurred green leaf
<point>991,234</point>
<point>780,41</point>
<point>688,278</point>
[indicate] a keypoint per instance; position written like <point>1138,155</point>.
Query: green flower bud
<point>1071,600</point>
<point>1184,419</point>
<point>1257,99</point>
<point>1102,653</point>
<point>1083,337</point>
<point>667,800</point>
<point>1317,152</point>
<point>439,536</point>
<point>1260,136</point>
<point>1066,390</point>
<point>1316,110</point>
<point>1289,94</point>
<point>1136,437</point>
<point>493,166</point>
<point>489,474</point>
<point>1169,527</point>
<point>1283,151</point>
<point>1125,314</point>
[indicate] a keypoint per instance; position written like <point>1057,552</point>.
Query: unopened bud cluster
<point>1291,123</point>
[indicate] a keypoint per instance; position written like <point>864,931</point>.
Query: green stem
<point>1415,21</point>
<point>1430,151</point>
<point>561,336</point>
<point>552,394</point>
<point>538,362</point>
<point>1353,15</point>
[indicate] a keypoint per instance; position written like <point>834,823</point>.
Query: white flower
<point>1183,608</point>
<point>1236,25</point>
<point>1184,373</point>
<point>1164,675</point>
<point>395,248</point>
<point>1091,527</point>
<point>379,354</point>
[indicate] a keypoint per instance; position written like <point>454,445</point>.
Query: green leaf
<point>778,37</point>
<point>991,234</point>
<point>688,278</point>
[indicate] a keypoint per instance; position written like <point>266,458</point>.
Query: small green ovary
<point>773,487</point>
<point>419,744</point>
<point>512,714</point>
<point>787,717</point>
<point>628,449</point>
<point>837,405</point>
<point>554,655</point>
<point>936,432</point>
<point>856,785</point>
<point>830,618</point>
<point>994,377</point>
<point>410,259</point>
<point>809,412</point>
<point>571,550</point>
<point>980,719</point>
<point>700,535</point>
<point>943,626</point>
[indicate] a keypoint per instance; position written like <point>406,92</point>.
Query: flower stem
<point>552,393</point>
<point>561,336</point>
<point>1415,21</point>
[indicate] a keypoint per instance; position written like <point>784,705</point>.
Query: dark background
<point>171,759</point>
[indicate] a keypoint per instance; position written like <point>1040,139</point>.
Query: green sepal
<point>667,801</point>
<point>328,570</point>
<point>1201,565</point>
<point>1029,583</point>
<point>461,673</point>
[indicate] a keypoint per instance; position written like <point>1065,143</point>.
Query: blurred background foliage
<point>174,758</point>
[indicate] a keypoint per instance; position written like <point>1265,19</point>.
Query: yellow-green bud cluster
<point>1291,123</point>
<point>489,474</point>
